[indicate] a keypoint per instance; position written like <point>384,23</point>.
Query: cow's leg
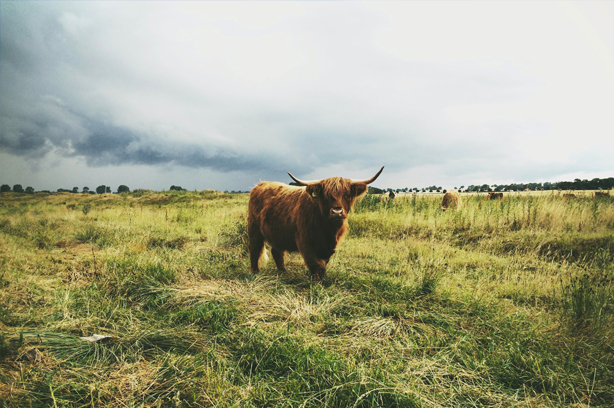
<point>256,247</point>
<point>317,266</point>
<point>255,244</point>
<point>279,256</point>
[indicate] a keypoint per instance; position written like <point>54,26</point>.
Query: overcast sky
<point>221,95</point>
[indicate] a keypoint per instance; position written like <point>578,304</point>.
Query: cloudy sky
<point>221,95</point>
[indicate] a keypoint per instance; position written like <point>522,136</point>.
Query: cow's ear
<point>314,190</point>
<point>358,189</point>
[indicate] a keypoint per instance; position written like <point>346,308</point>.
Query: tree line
<point>577,184</point>
<point>102,189</point>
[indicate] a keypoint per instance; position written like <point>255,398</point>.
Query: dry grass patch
<point>262,299</point>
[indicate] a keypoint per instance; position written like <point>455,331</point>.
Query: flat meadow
<point>504,303</point>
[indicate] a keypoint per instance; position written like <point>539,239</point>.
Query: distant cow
<point>310,219</point>
<point>568,196</point>
<point>495,196</point>
<point>601,194</point>
<point>451,199</point>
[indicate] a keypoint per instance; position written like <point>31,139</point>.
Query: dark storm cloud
<point>34,123</point>
<point>112,145</point>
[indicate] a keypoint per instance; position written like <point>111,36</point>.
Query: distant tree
<point>176,188</point>
<point>5,188</point>
<point>101,189</point>
<point>86,190</point>
<point>18,188</point>
<point>444,191</point>
<point>108,190</point>
<point>29,190</point>
<point>123,189</point>
<point>75,190</point>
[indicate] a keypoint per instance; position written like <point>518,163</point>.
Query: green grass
<point>503,303</point>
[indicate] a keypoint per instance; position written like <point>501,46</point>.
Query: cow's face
<point>335,196</point>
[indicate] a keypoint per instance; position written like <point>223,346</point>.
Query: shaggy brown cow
<point>495,196</point>
<point>310,219</point>
<point>451,199</point>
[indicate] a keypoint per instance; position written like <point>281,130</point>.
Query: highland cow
<point>495,196</point>
<point>310,219</point>
<point>452,200</point>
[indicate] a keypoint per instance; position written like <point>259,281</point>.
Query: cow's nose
<point>336,211</point>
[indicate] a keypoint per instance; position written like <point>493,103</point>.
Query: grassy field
<point>501,304</point>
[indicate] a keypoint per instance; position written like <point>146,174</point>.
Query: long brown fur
<point>311,220</point>
<point>452,200</point>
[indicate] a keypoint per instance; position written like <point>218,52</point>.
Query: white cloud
<point>433,90</point>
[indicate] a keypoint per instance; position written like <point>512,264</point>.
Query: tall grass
<point>503,303</point>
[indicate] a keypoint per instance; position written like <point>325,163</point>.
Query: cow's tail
<point>264,258</point>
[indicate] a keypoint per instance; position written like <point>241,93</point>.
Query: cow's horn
<point>301,182</point>
<point>372,179</point>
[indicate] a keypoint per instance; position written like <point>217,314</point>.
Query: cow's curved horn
<point>303,183</point>
<point>372,179</point>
